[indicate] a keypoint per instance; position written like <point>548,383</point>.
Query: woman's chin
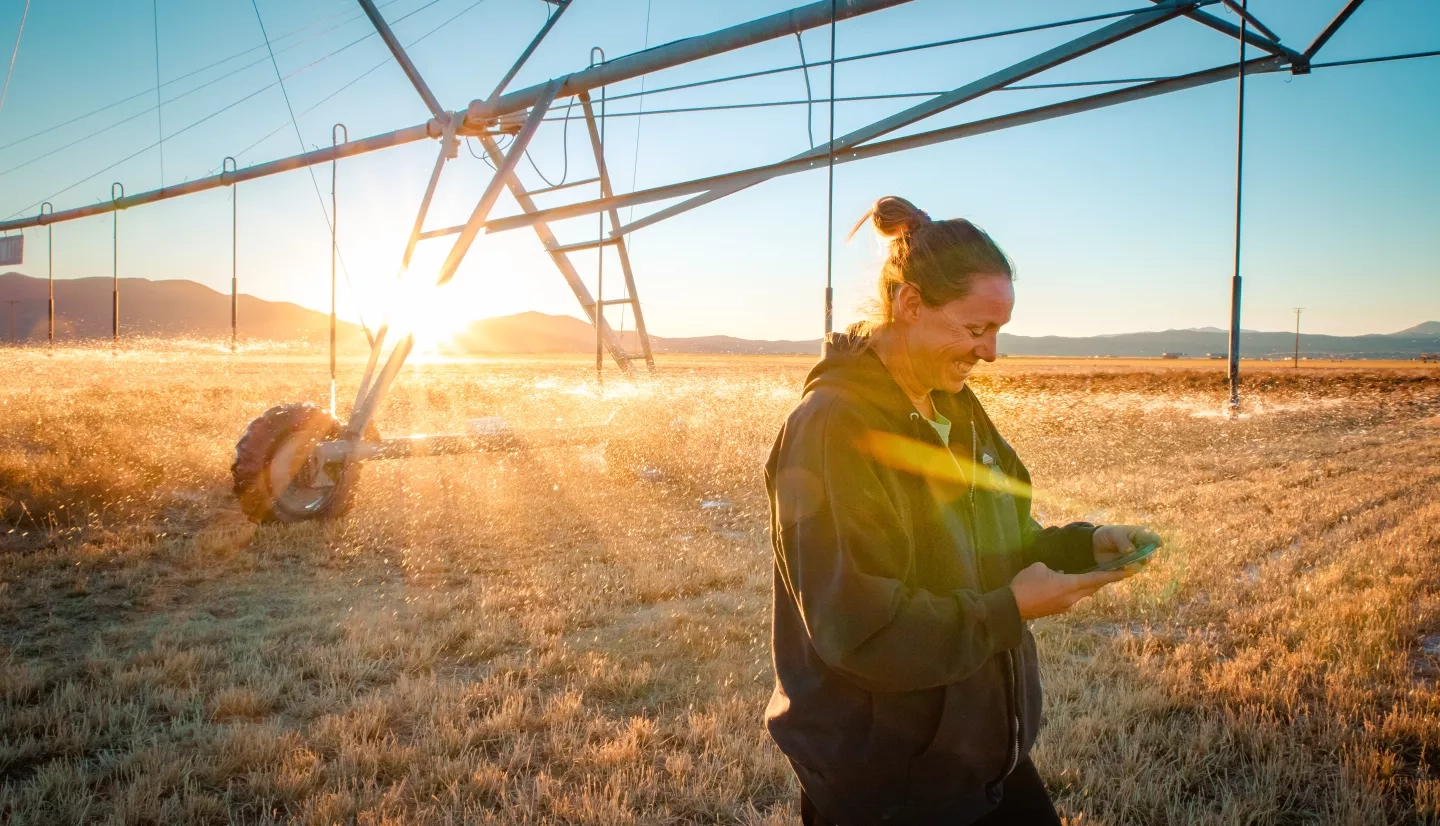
<point>953,378</point>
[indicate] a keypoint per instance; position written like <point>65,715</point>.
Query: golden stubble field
<point>547,638</point>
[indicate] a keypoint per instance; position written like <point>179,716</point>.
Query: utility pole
<point>1298,310</point>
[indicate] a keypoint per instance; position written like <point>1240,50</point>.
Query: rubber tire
<point>255,450</point>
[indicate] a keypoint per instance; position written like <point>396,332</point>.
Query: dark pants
<point>1024,801</point>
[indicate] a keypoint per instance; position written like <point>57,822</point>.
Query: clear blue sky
<point>1118,220</point>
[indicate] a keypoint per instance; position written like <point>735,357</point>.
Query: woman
<point>907,562</point>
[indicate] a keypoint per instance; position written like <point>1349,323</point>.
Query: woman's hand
<point>1040,592</point>
<point>1114,541</point>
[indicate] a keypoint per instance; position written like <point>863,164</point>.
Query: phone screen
<point>1120,562</point>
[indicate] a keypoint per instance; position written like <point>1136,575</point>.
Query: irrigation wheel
<point>276,479</point>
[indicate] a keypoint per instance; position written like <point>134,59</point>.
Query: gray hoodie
<point>907,686</point>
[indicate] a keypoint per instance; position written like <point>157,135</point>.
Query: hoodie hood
<point>848,361</point>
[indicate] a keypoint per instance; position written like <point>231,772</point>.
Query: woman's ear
<point>907,303</point>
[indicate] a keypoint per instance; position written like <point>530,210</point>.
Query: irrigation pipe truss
<point>481,116</point>
<point>521,113</point>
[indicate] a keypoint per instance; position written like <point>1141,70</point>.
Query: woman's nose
<point>986,348</point>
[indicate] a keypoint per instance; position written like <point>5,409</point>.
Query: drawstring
<point>974,464</point>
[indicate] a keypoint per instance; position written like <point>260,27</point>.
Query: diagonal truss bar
<point>378,20</point>
<point>416,232</point>
<point>1259,65</point>
<point>1253,38</point>
<point>557,255</point>
<point>603,173</point>
<point>550,22</point>
<point>666,56</point>
<point>1083,45</point>
<point>504,171</point>
<point>1252,19</point>
<point>1330,30</point>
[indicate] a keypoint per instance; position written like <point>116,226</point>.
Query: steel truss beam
<point>758,174</point>
<point>628,67</point>
<point>481,116</point>
<point>1299,61</point>
<point>1083,45</point>
<point>499,112</point>
<point>680,52</point>
<point>378,21</point>
<point>1330,30</point>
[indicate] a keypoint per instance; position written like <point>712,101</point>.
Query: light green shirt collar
<point>941,425</point>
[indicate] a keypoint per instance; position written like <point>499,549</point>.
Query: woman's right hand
<point>1041,592</point>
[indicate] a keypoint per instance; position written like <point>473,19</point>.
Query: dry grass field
<point>543,638</point>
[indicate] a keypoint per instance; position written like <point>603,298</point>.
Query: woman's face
<point>945,342</point>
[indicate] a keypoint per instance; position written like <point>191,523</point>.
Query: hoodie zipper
<point>1013,692</point>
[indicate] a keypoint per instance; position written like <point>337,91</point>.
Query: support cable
<point>317,104</point>
<point>900,50</point>
<point>830,197</point>
<point>159,115</point>
<point>600,270</point>
<point>809,96</point>
<point>1363,60</point>
<point>635,164</point>
<point>13,52</point>
<point>310,169</point>
<point>1235,284</point>
<point>1025,87</point>
<point>565,151</point>
<point>890,96</point>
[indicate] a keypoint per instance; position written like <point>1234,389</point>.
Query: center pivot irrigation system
<point>298,462</point>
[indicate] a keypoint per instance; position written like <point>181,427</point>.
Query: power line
<point>119,123</point>
<point>216,113</point>
<point>194,72</point>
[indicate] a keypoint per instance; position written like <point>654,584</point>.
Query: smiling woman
<point>907,562</point>
<point>950,283</point>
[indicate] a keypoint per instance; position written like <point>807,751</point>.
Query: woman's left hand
<point>1114,541</point>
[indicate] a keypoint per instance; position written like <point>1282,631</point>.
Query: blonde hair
<point>940,258</point>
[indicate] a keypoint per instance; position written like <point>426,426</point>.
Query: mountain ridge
<point>180,307</point>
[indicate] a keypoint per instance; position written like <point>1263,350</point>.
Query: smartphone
<point>1120,562</point>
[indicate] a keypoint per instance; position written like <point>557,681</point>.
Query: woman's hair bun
<point>893,217</point>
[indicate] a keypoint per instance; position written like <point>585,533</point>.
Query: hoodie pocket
<point>972,741</point>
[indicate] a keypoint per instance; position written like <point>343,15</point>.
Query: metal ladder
<point>560,253</point>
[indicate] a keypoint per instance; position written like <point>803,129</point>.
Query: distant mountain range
<point>163,309</point>
<point>186,309</point>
